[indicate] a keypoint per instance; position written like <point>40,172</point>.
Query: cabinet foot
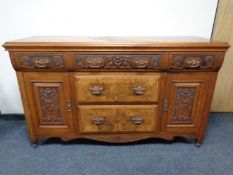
<point>34,144</point>
<point>190,139</point>
<point>197,143</point>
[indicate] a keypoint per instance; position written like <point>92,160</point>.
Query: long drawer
<point>117,88</point>
<point>117,118</point>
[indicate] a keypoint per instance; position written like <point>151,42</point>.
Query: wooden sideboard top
<point>63,42</point>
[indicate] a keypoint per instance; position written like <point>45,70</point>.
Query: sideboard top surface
<point>113,42</point>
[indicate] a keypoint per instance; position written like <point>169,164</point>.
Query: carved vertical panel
<point>183,104</point>
<point>50,105</point>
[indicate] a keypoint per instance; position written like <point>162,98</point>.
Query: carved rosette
<point>50,105</point>
<point>42,61</point>
<point>191,61</point>
<point>118,62</point>
<point>183,104</point>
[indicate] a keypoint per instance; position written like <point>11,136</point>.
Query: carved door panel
<point>184,102</point>
<point>50,103</point>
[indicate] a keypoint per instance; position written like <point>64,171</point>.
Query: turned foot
<point>190,139</point>
<point>198,143</point>
<point>34,144</point>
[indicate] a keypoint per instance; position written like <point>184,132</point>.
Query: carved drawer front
<point>116,61</point>
<point>193,61</point>
<point>117,88</point>
<point>95,88</point>
<point>117,118</point>
<point>41,61</point>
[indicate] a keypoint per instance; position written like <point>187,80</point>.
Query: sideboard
<point>116,89</point>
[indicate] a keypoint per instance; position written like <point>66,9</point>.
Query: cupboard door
<point>184,102</point>
<point>50,103</point>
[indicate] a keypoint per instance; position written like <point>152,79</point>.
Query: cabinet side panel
<point>26,107</point>
<point>205,114</point>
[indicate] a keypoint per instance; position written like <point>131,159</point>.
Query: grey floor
<point>150,157</point>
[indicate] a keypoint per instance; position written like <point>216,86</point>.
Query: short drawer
<point>40,61</point>
<point>117,88</point>
<point>117,118</point>
<point>118,61</point>
<point>193,61</point>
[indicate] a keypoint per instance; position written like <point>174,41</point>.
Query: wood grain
<point>117,118</point>
<point>223,30</point>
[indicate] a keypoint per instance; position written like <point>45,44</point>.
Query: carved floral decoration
<point>41,61</point>
<point>192,62</point>
<point>183,104</point>
<point>50,104</point>
<point>118,61</point>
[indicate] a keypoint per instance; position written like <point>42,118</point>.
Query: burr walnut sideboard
<point>116,89</point>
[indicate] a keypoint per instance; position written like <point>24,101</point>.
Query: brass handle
<point>41,62</point>
<point>69,106</point>
<point>137,120</point>
<point>165,106</point>
<point>193,62</point>
<point>96,66</point>
<point>98,120</point>
<point>139,90</point>
<point>96,90</point>
<point>141,64</point>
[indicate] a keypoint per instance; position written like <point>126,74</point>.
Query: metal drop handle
<point>97,120</point>
<point>96,90</point>
<point>137,120</point>
<point>139,90</point>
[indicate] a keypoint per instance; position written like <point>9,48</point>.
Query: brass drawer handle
<point>139,90</point>
<point>96,90</point>
<point>192,62</point>
<point>141,64</point>
<point>137,120</point>
<point>41,62</point>
<point>98,120</point>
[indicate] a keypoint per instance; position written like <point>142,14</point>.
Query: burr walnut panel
<point>127,118</point>
<point>138,88</point>
<point>95,88</point>
<point>117,88</point>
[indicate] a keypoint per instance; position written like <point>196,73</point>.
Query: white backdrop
<point>22,18</point>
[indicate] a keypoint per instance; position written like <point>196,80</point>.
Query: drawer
<point>138,88</point>
<point>117,118</point>
<point>118,61</point>
<point>40,61</point>
<point>117,88</point>
<point>91,88</point>
<point>193,61</point>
